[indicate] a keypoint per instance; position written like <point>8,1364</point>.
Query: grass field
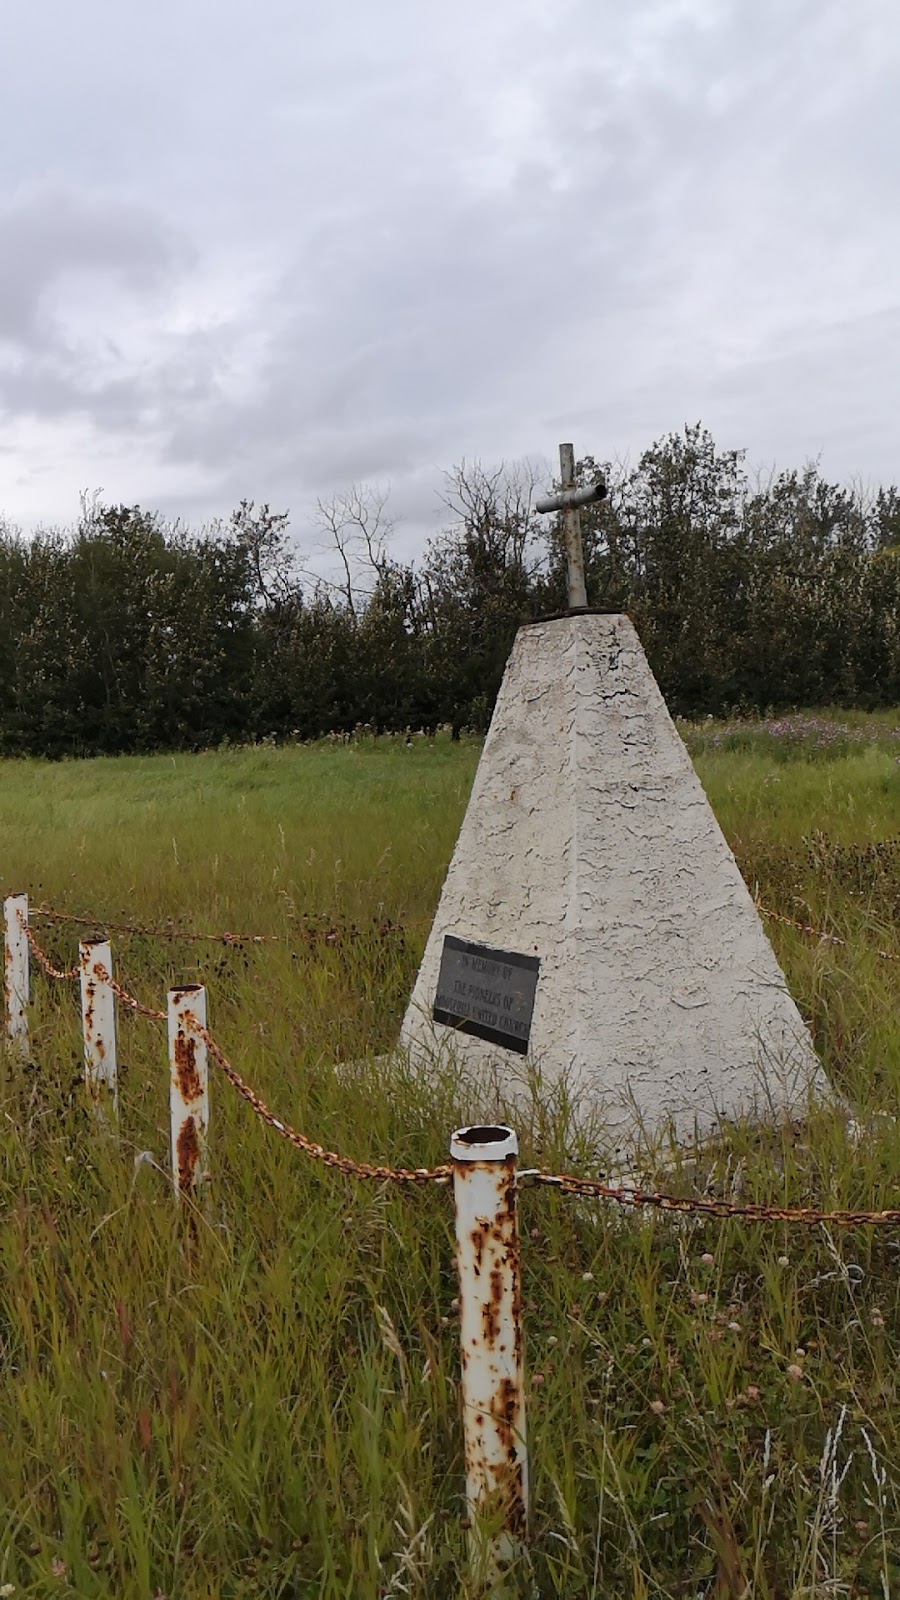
<point>270,1408</point>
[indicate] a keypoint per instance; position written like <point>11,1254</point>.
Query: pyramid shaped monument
<point>593,922</point>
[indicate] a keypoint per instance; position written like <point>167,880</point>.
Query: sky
<point>269,250</point>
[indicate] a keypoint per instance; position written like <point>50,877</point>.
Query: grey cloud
<point>55,242</point>
<point>50,230</point>
<point>472,229</point>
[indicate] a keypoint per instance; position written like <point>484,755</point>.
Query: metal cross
<point>568,501</point>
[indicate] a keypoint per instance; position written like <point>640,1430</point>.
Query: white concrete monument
<point>593,921</point>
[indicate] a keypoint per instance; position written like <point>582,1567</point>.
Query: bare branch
<point>358,530</point>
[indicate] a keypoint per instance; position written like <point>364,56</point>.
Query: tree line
<point>131,634</point>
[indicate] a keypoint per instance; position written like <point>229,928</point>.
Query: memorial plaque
<point>489,993</point>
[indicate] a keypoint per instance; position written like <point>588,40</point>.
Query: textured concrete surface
<point>589,841</point>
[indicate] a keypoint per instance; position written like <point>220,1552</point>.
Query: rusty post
<point>98,1017</point>
<point>493,1369</point>
<point>15,912</point>
<point>188,1090</point>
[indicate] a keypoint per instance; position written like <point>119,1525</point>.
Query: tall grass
<point>266,1404</point>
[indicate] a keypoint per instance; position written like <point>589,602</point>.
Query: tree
<point>136,634</point>
<point>477,586</point>
<point>357,530</point>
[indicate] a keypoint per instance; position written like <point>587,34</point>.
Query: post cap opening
<point>484,1142</point>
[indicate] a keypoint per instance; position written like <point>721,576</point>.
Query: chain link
<point>331,933</point>
<point>565,1183</point>
<point>126,998</point>
<point>335,932</point>
<point>748,1211</point>
<point>147,930</point>
<point>65,975</point>
<point>99,971</point>
<point>329,1158</point>
<point>815,933</point>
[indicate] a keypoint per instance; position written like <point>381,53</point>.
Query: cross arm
<point>585,496</point>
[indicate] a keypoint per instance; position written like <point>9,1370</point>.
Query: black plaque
<point>489,993</point>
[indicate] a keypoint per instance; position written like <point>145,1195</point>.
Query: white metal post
<point>493,1367</point>
<point>188,1090</point>
<point>98,1016</point>
<point>15,912</point>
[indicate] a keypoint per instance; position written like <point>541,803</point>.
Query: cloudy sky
<point>269,249</point>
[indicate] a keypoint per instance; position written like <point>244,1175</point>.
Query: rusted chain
<point>329,1158</point>
<point>126,998</point>
<point>567,1183</point>
<point>748,1211</point>
<point>101,972</point>
<point>332,933</point>
<point>168,932</point>
<point>43,959</point>
<point>816,933</point>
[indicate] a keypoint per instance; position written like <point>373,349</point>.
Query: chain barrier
<point>49,914</point>
<point>815,933</point>
<point>332,933</point>
<point>100,971</point>
<point>566,1183</point>
<point>126,998</point>
<point>329,1158</point>
<point>335,933</point>
<point>746,1210</point>
<point>42,958</point>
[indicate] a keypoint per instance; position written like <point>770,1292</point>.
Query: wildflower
<point>735,1327</point>
<point>57,1567</point>
<point>587,1277</point>
<point>658,1407</point>
<point>708,1259</point>
<point>784,1261</point>
<point>538,1380</point>
<point>795,1373</point>
<point>7,1589</point>
<point>752,1391</point>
